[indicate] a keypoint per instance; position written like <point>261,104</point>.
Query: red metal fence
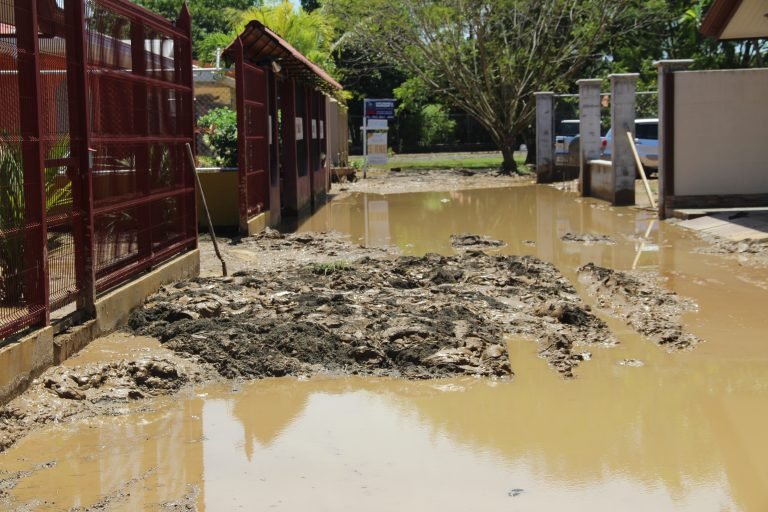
<point>95,110</point>
<point>253,107</point>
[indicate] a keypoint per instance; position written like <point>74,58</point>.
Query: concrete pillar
<point>666,82</point>
<point>623,88</point>
<point>545,137</point>
<point>589,129</point>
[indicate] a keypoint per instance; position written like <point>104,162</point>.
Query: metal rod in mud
<point>205,207</point>
<point>642,170</point>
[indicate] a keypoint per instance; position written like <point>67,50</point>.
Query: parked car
<point>565,132</point>
<point>646,142</point>
<point>575,148</point>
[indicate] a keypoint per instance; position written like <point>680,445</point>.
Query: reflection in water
<point>686,431</point>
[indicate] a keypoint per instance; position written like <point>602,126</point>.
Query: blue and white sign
<point>379,109</point>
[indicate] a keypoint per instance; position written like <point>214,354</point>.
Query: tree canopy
<point>483,57</point>
<point>486,58</point>
<point>311,33</point>
<point>208,16</point>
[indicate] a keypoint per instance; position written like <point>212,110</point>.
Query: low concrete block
<point>601,180</point>
<point>21,362</point>
<point>258,223</point>
<point>113,309</point>
<point>70,343</point>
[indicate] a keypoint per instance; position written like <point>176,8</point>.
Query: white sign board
<point>299,128</point>
<point>314,128</point>
<point>377,148</point>
<point>378,124</point>
<point>322,129</point>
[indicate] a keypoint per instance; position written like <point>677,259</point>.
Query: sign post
<point>376,109</point>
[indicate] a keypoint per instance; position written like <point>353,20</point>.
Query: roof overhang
<point>261,46</point>
<point>736,19</point>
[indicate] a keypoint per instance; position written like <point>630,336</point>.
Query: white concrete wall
<point>721,132</point>
<point>337,132</point>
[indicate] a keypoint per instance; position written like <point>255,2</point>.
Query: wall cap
<point>624,76</point>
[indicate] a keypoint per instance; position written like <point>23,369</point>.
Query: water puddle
<point>682,431</point>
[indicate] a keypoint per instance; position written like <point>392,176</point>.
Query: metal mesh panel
<point>62,218</point>
<point>22,300</point>
<point>141,107</point>
<point>254,119</point>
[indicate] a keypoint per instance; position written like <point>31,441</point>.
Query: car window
<point>647,131</point>
<point>568,129</point>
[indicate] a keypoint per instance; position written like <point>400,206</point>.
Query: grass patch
<point>330,267</point>
<point>459,162</point>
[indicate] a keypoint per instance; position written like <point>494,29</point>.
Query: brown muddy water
<point>684,431</point>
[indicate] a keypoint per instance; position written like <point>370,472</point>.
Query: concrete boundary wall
<point>721,132</point>
<point>24,360</point>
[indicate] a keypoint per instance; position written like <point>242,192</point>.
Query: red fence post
<point>242,146</point>
<point>309,142</point>
<point>274,151</point>
<point>183,63</point>
<point>290,166</point>
<point>35,225</point>
<point>141,129</point>
<point>79,136</point>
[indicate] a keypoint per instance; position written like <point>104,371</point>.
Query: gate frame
<point>79,162</point>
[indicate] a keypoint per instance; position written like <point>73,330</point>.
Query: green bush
<point>436,125</point>
<point>219,127</point>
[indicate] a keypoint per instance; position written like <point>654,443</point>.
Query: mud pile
<point>66,393</point>
<point>412,317</point>
<point>470,241</point>
<point>645,306</point>
<point>749,251</point>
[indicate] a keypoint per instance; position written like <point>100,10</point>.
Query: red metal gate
<point>95,109</point>
<point>252,136</point>
<point>140,92</point>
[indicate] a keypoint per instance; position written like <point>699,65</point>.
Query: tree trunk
<point>530,158</point>
<point>508,146</point>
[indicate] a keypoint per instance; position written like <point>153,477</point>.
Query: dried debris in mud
<point>382,181</point>
<point>413,317</point>
<point>644,305</point>
<point>272,250</point>
<point>65,393</point>
<point>587,238</point>
<point>749,251</point>
<point>470,241</point>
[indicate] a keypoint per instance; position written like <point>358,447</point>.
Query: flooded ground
<point>662,431</point>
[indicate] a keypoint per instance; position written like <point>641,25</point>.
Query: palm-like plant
<point>12,217</point>
<point>13,214</point>
<point>311,33</point>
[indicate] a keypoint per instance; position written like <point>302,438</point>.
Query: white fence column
<point>666,68</point>
<point>589,129</point>
<point>623,88</point>
<point>545,137</point>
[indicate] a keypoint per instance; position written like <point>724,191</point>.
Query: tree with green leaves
<point>486,58</point>
<point>208,16</point>
<point>312,33</point>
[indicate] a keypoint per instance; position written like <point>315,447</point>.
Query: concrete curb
<point>23,361</point>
